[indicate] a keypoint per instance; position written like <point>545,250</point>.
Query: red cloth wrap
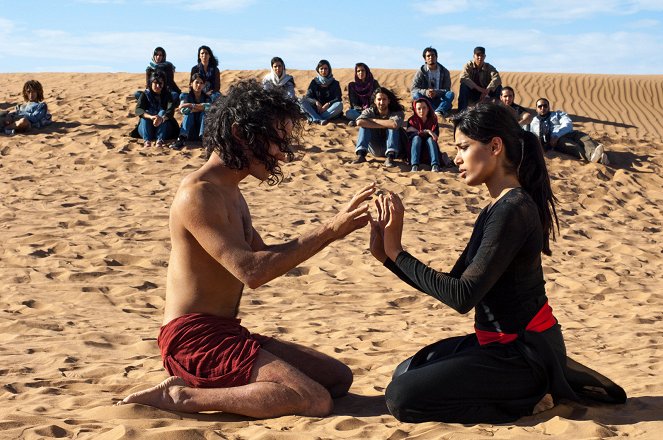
<point>209,351</point>
<point>543,320</point>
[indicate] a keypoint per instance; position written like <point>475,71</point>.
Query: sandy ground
<point>84,247</point>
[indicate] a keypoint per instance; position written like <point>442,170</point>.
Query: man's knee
<point>318,403</point>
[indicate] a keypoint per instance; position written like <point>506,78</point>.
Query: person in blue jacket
<point>32,114</point>
<point>193,106</point>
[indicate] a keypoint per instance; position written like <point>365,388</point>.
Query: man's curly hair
<point>260,117</point>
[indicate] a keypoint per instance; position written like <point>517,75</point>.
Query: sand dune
<point>84,249</point>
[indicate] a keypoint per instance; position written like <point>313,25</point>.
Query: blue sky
<point>583,36</point>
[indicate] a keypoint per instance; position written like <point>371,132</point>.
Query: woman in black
<point>516,355</point>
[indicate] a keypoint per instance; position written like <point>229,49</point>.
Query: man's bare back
<point>216,252</point>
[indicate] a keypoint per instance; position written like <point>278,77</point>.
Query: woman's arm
<point>504,232</point>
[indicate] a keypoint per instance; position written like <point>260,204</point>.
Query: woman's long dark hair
<point>213,61</point>
<point>524,155</point>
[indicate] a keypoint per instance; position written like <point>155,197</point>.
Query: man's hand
<point>354,216</point>
<point>430,93</point>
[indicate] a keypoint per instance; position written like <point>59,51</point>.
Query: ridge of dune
<point>84,250</point>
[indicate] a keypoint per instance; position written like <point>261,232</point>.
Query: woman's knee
<point>342,381</point>
<point>399,400</point>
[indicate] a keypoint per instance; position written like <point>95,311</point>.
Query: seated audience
<point>33,114</point>
<point>433,82</point>
<point>323,100</point>
<point>522,116</point>
<point>380,128</point>
<point>360,91</point>
<point>155,111</point>
<point>555,131</point>
<point>208,69</point>
<point>277,78</point>
<point>423,129</point>
<point>193,107</point>
<point>479,81</point>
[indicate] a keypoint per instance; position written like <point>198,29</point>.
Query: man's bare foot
<point>162,396</point>
<point>544,404</point>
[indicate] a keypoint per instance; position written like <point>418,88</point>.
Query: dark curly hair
<point>33,85</point>
<point>260,116</point>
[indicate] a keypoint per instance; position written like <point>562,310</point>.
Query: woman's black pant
<point>457,380</point>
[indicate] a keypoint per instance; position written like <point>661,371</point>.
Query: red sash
<point>542,321</point>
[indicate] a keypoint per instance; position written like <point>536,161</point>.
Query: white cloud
<point>435,7</point>
<point>570,10</point>
<point>531,50</point>
<point>643,24</point>
<point>207,5</point>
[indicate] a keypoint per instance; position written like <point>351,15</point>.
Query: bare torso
<point>197,282</point>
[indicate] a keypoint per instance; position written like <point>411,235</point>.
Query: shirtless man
<point>216,364</point>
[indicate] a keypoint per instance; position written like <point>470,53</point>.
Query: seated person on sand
<point>216,364</point>
<point>193,106</point>
<point>159,63</point>
<point>155,111</point>
<point>208,69</point>
<point>479,81</point>
<point>380,128</point>
<point>323,100</point>
<point>433,81</point>
<point>277,78</point>
<point>555,131</point>
<point>360,92</point>
<point>33,114</point>
<point>423,129</point>
<point>519,112</point>
<point>514,363</point>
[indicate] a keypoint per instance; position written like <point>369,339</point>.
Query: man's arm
<point>419,84</point>
<point>495,80</point>
<point>255,263</point>
<point>377,123</point>
<point>525,118</point>
<point>465,76</point>
<point>563,125</point>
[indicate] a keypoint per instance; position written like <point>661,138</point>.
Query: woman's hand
<point>432,134</point>
<point>393,230</point>
<point>376,244</point>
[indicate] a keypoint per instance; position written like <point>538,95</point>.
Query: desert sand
<point>84,247</point>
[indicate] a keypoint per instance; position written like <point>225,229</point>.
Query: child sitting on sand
<point>422,128</point>
<point>32,114</point>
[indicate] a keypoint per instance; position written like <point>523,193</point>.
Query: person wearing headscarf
<point>360,92</point>
<point>323,100</point>
<point>277,78</point>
